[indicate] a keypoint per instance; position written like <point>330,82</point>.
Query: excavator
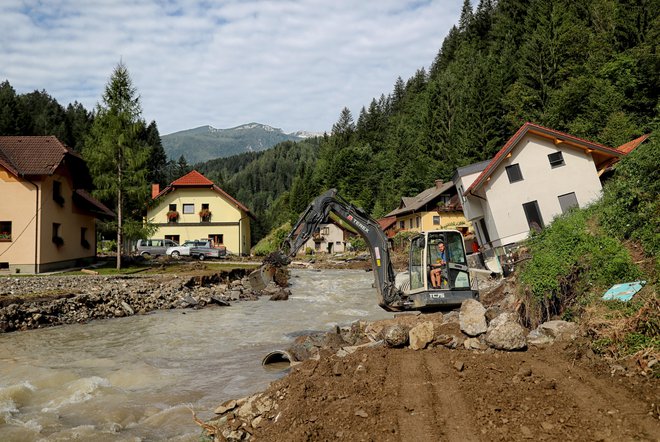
<point>409,290</point>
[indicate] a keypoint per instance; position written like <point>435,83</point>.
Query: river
<point>133,379</point>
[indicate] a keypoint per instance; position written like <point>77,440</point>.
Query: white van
<point>154,247</point>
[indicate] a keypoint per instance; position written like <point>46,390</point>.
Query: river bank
<point>37,302</point>
<point>469,375</point>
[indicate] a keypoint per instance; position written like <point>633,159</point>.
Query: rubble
<point>37,302</point>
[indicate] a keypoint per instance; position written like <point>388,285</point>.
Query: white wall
<point>505,217</point>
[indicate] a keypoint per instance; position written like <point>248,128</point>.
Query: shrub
<point>358,244</point>
<point>630,208</point>
<point>571,258</point>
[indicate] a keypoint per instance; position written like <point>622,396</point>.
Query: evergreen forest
<point>590,68</point>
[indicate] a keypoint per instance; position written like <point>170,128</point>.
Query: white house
<point>537,175</point>
<point>329,238</point>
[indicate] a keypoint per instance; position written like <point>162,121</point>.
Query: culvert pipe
<point>278,357</point>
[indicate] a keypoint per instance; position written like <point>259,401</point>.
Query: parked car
<point>154,247</point>
<point>200,249</point>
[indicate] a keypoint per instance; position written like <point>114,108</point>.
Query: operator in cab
<point>439,259</point>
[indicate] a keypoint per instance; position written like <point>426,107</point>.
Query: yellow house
<point>193,207</point>
<point>437,207</point>
<point>47,219</point>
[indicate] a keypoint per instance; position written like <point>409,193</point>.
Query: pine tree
<point>115,154</point>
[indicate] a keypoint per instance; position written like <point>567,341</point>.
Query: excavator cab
<point>451,263</point>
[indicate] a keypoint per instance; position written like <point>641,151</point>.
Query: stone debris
<point>421,335</point>
<point>506,334</point>
<point>395,336</point>
<point>80,299</point>
<point>550,331</point>
<point>472,318</point>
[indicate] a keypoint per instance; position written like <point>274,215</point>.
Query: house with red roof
<point>194,207</point>
<point>47,217</point>
<point>538,174</point>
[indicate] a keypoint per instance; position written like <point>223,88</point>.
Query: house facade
<point>193,207</point>
<point>47,218</point>
<point>437,207</point>
<point>538,174</point>
<point>329,238</point>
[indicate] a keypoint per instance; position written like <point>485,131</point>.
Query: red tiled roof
<point>193,178</point>
<point>387,222</point>
<point>196,179</point>
<point>33,155</point>
<point>513,141</point>
<point>632,145</point>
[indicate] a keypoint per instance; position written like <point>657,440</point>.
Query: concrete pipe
<point>278,358</point>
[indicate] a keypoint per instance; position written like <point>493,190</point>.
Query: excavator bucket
<point>260,278</point>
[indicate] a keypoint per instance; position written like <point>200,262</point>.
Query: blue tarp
<point>623,292</point>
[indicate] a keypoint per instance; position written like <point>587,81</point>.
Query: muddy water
<point>132,379</point>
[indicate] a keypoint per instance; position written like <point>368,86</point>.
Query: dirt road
<point>440,394</point>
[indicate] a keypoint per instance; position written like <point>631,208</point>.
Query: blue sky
<point>292,64</point>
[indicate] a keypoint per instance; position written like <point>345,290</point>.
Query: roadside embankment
<point>36,302</point>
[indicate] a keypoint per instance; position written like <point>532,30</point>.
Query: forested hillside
<point>589,68</point>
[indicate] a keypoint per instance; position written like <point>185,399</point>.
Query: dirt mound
<point>440,394</point>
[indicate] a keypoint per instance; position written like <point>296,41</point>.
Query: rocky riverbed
<point>36,302</point>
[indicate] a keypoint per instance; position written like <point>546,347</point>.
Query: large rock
<point>395,336</point>
<point>548,332</point>
<point>421,335</point>
<point>507,335</point>
<point>559,329</point>
<point>472,318</point>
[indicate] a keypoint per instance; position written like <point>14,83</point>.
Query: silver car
<point>154,247</point>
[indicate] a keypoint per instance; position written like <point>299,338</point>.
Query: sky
<point>290,64</point>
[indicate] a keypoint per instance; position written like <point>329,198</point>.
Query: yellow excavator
<point>409,290</point>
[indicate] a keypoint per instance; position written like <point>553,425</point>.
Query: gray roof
<point>412,204</point>
<point>472,168</point>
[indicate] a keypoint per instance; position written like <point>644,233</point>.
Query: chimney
<point>155,190</point>
<point>438,184</point>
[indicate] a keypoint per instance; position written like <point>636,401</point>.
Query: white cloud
<point>292,64</point>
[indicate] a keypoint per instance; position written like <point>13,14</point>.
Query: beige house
<point>193,207</point>
<point>47,218</point>
<point>538,174</point>
<point>437,207</point>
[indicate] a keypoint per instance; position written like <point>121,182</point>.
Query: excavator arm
<point>331,203</point>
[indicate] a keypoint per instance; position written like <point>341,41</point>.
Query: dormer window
<point>556,159</point>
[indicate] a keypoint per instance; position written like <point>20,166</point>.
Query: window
<point>4,266</point>
<point>460,193</point>
<point>417,222</point>
<point>216,238</point>
<point>172,208</point>
<point>174,238</point>
<point>556,159</point>
<point>205,206</point>
<point>57,239</point>
<point>5,231</point>
<point>513,172</point>
<point>57,193</point>
<point>188,208</point>
<point>533,214</point>
<point>436,220</point>
<point>402,224</point>
<point>410,223</point>
<point>83,240</point>
<point>444,200</point>
<point>567,202</point>
<point>325,231</point>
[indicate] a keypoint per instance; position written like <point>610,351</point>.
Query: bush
<point>630,208</point>
<point>272,242</point>
<point>571,258</point>
<point>358,244</point>
<point>401,241</point>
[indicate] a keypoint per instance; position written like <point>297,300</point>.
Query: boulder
<point>474,344</point>
<point>472,318</point>
<point>558,329</point>
<point>280,295</point>
<point>507,336</point>
<point>421,335</point>
<point>395,336</point>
